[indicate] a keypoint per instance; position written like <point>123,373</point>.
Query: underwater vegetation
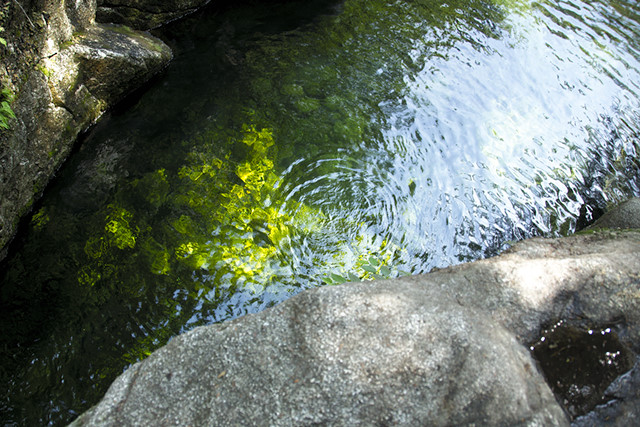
<point>288,147</point>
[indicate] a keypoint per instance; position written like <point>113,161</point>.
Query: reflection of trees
<point>332,80</point>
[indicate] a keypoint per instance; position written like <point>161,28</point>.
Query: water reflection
<point>281,151</point>
<point>516,123</point>
<point>494,137</point>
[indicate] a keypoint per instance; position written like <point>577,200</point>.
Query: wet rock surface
<point>446,348</point>
<point>145,14</point>
<point>65,71</point>
<point>622,406</point>
<point>625,215</point>
<point>104,48</point>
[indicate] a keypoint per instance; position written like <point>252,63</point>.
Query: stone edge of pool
<point>445,348</point>
<point>63,71</point>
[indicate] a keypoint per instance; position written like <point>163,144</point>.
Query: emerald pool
<point>302,144</point>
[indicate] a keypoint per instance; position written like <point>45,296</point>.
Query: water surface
<point>290,146</point>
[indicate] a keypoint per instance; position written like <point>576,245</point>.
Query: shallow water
<point>291,146</point>
<point>580,365</point>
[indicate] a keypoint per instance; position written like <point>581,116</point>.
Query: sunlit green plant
<point>3,15</point>
<point>6,113</point>
<point>218,217</point>
<point>367,268</point>
<point>210,227</point>
<point>6,95</point>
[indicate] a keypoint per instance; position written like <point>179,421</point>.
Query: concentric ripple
<point>295,145</point>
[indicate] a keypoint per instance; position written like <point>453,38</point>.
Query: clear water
<point>580,365</point>
<point>289,146</point>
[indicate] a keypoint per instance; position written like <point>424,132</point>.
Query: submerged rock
<point>446,348</point>
<point>622,407</point>
<point>580,365</point>
<point>625,215</point>
<point>145,14</point>
<point>64,71</point>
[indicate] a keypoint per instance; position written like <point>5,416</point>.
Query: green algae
<point>221,200</point>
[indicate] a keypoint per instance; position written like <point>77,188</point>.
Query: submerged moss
<point>252,172</point>
<point>220,219</point>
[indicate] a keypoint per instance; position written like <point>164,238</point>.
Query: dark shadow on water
<point>128,250</point>
<point>580,364</point>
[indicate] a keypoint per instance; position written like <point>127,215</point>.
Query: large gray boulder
<point>145,14</point>
<point>108,60</point>
<point>65,71</point>
<point>446,348</point>
<point>378,353</point>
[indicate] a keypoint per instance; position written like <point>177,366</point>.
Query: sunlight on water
<point>498,151</point>
<point>491,143</point>
<point>287,147</point>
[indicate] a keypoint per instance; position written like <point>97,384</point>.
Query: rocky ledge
<point>145,14</point>
<point>453,347</point>
<point>64,71</point>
